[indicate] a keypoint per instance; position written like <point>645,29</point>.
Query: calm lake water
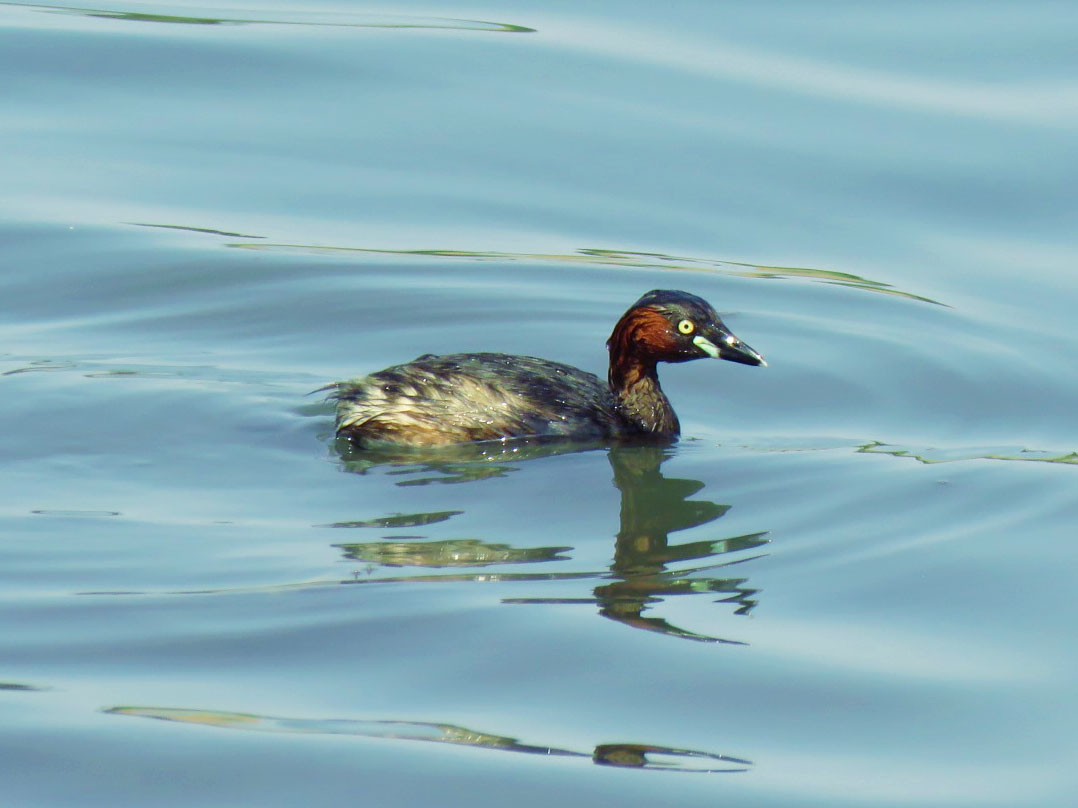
<point>852,583</point>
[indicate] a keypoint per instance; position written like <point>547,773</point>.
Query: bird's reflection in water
<point>646,567</point>
<point>459,463</point>
<point>652,507</point>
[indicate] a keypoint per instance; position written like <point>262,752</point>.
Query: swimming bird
<point>459,398</point>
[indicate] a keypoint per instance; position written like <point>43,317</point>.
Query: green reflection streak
<point>624,755</point>
<point>21,687</point>
<point>933,455</point>
<point>448,553</point>
<point>592,256</point>
<point>604,257</point>
<point>387,22</point>
<point>399,520</point>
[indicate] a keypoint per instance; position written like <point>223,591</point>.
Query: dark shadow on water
<point>623,755</point>
<point>646,567</point>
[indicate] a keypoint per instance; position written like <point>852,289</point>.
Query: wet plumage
<point>458,398</point>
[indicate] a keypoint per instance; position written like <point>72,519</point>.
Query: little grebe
<point>458,398</point>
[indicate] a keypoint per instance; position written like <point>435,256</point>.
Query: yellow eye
<point>686,327</point>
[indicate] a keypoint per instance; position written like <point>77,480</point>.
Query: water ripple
<point>1048,103</point>
<point>923,454</point>
<point>137,12</point>
<point>623,755</point>
<point>612,257</point>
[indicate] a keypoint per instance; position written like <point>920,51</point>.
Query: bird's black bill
<point>741,353</point>
<point>721,344</point>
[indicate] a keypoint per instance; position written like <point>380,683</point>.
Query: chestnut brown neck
<point>639,339</point>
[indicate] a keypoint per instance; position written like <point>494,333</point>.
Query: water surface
<point>849,584</point>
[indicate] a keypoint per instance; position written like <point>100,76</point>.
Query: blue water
<point>850,584</point>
